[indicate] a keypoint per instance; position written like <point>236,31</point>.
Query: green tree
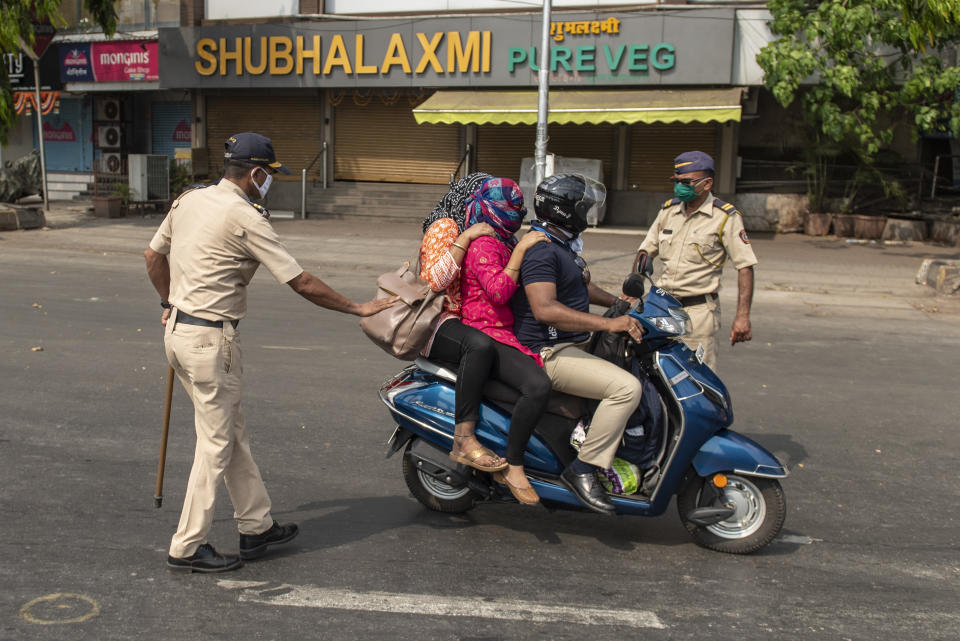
<point>860,62</point>
<point>16,20</point>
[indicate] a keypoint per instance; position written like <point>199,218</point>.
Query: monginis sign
<point>125,61</point>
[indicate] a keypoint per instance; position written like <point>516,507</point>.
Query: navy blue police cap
<point>690,161</point>
<point>251,147</point>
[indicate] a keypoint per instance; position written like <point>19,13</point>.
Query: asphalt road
<point>851,380</point>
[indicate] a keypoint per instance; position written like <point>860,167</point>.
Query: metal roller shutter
<point>169,127</point>
<point>653,148</point>
<point>383,143</point>
<point>293,123</point>
<point>500,148</point>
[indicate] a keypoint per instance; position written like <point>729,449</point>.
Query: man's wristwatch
<point>166,304</point>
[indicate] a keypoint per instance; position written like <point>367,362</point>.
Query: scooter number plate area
<point>700,353</point>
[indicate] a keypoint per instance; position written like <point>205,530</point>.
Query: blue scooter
<point>728,495</point>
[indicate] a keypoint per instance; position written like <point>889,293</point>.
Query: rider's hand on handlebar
<point>627,324</point>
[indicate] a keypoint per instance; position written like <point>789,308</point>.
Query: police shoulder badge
<point>743,237</point>
<point>260,210</point>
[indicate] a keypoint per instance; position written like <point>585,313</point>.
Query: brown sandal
<point>526,495</point>
<point>471,460</point>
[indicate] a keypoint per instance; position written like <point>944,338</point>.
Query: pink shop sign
<point>125,61</point>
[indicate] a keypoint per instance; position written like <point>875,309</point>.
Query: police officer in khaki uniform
<point>695,234</point>
<point>200,261</point>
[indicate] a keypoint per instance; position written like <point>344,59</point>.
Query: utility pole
<point>543,98</point>
<point>39,110</point>
<point>43,33</point>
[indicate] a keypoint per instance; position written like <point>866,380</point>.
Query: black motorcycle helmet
<point>565,199</point>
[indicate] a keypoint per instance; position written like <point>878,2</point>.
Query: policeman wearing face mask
<point>200,261</point>
<point>696,234</point>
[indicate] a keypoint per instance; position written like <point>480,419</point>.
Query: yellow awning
<point>582,107</point>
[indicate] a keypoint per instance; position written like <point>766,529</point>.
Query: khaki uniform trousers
<point>208,363</point>
<point>574,371</point>
<point>705,319</point>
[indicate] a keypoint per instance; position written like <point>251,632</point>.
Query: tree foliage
<point>860,61</point>
<point>16,25</point>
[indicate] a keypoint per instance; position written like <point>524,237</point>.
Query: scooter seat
<point>559,403</point>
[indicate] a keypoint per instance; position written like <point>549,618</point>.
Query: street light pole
<point>543,94</point>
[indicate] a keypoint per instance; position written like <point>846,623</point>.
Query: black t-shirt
<point>549,263</point>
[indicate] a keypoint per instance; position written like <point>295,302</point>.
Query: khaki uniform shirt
<point>216,240</point>
<point>692,247</point>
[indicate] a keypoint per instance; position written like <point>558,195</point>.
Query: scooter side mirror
<point>633,286</point>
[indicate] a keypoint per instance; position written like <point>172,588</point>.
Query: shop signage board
<point>116,61</point>
<point>587,49</point>
<point>20,71</point>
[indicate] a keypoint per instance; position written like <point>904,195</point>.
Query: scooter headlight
<point>678,322</point>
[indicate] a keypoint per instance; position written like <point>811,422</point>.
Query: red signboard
<point>63,133</point>
<point>182,132</point>
<point>124,61</point>
<point>42,37</point>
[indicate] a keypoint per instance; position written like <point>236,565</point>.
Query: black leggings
<point>481,358</point>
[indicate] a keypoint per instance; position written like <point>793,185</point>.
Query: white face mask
<point>265,187</point>
<point>577,244</point>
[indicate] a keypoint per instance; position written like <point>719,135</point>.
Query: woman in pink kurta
<point>488,278</point>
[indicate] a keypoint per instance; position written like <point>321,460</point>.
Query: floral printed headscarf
<point>499,203</point>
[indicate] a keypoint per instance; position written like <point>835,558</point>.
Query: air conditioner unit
<point>149,176</point>
<point>108,136</point>
<point>111,163</point>
<point>109,109</point>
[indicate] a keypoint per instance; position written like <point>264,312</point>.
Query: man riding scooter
<point>552,318</point>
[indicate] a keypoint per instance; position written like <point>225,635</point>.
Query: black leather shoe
<point>253,546</point>
<point>205,559</point>
<point>588,490</point>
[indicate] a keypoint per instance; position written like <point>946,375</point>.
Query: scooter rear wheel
<point>760,509</point>
<point>434,493</point>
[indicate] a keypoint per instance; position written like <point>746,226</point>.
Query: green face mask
<point>685,193</point>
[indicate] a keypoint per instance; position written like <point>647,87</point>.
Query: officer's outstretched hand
<point>740,332</point>
<point>376,305</point>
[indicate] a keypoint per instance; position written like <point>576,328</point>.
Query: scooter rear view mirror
<point>633,286</point>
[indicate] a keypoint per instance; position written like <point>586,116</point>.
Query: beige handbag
<point>403,329</point>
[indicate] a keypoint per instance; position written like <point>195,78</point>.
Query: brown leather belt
<point>690,301</point>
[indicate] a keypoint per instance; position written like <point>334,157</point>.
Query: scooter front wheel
<point>759,511</point>
<point>434,493</point>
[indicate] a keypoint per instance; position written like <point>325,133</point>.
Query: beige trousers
<point>705,319</point>
<point>574,371</point>
<point>208,363</point>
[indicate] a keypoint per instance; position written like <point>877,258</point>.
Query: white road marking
<point>290,347</point>
<point>307,596</point>
<point>796,538</point>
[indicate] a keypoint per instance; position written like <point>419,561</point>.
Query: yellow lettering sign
<point>358,56</point>
<point>429,52</point>
<point>280,48</point>
<point>337,56</point>
<point>469,52</point>
<point>457,53</point>
<point>396,55</point>
<point>313,54</point>
<point>261,66</point>
<point>205,51</point>
<point>485,65</point>
<point>236,56</point>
